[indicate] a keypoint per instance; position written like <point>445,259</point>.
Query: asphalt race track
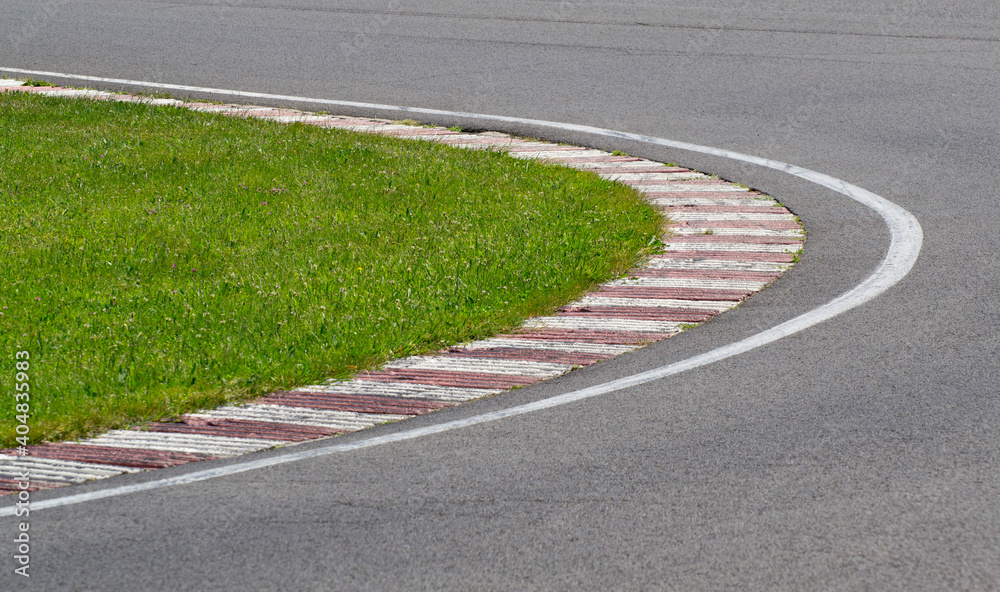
<point>860,453</point>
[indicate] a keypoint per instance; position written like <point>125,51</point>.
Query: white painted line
<point>401,390</point>
<point>589,324</point>
<point>8,83</point>
<point>906,238</point>
<point>323,418</point>
<point>196,443</point>
<point>484,365</point>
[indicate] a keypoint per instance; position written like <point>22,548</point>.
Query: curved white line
<point>904,248</point>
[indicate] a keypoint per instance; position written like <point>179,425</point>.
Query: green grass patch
<point>157,260</point>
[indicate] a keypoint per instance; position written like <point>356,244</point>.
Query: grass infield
<point>157,260</point>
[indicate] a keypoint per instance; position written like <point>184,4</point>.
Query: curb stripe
<point>633,338</point>
<point>690,243</point>
<point>572,358</point>
<point>666,191</point>
<point>604,324</point>
<point>680,208</point>
<point>671,293</point>
<point>125,457</point>
<point>195,443</point>
<point>423,392</point>
<point>569,346</point>
<point>737,239</point>
<point>54,470</point>
<point>662,262</point>
<point>355,403</point>
<point>339,421</point>
<point>656,282</point>
<point>737,256</point>
<point>731,216</point>
<point>243,428</point>
<point>699,200</point>
<point>639,179</point>
<point>445,364</point>
<point>692,305</point>
<point>696,221</point>
<point>14,485</point>
<point>746,232</point>
<point>456,379</point>
<point>705,274</point>
<point>640,314</point>
<point>684,193</point>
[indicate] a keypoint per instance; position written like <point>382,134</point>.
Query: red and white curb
<point>728,242</point>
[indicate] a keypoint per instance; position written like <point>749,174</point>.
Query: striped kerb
<point>727,242</point>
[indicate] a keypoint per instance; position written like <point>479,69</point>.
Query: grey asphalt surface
<point>863,453</point>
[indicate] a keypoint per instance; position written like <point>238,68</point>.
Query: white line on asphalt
<point>904,248</point>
